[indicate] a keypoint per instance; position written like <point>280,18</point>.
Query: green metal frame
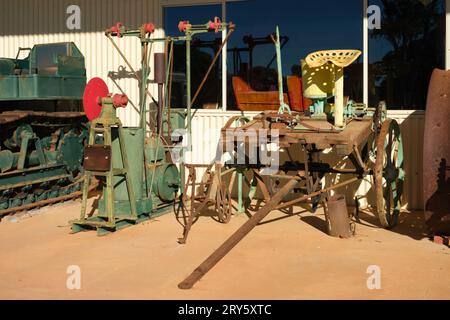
<point>190,32</point>
<point>104,125</point>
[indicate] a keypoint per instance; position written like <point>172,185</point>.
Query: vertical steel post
<point>224,58</point>
<point>365,54</point>
<point>142,87</point>
<point>188,81</point>
<point>279,67</point>
<point>160,78</point>
<point>143,102</point>
<point>109,182</point>
<point>188,99</point>
<point>283,106</point>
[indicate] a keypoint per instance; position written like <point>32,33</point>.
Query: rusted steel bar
<point>262,186</point>
<point>232,241</point>
<point>307,196</point>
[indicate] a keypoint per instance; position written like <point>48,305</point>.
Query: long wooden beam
<point>236,237</point>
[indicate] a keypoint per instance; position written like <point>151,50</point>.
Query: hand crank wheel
<point>389,175</point>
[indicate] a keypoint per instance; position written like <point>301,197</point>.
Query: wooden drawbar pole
<point>237,236</point>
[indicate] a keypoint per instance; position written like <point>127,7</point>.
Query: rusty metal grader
<point>371,142</point>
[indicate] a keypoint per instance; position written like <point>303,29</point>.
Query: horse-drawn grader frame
<point>364,136</point>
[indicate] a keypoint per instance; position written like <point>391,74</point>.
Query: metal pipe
<point>169,91</point>
<point>160,79</point>
<point>159,129</point>
<point>365,54</point>
<point>188,87</point>
<point>224,58</point>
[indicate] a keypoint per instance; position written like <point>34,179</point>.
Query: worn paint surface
<point>436,153</point>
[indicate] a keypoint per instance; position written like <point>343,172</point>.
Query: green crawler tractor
<point>42,126</point>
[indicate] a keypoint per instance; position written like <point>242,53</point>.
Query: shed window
<point>306,26</point>
<point>203,49</point>
<point>405,50</point>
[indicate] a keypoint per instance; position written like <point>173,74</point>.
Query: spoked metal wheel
<point>389,175</point>
<point>247,174</point>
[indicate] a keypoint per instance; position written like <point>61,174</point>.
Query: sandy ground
<point>286,257</point>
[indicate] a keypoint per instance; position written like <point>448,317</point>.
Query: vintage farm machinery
<point>364,136</point>
<point>134,165</point>
<point>42,128</point>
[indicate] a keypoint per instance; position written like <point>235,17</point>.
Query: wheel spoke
<point>389,174</point>
<point>388,202</point>
<point>401,174</point>
<point>389,150</point>
<point>395,155</point>
<point>396,194</point>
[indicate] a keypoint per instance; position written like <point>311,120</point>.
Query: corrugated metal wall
<point>24,23</point>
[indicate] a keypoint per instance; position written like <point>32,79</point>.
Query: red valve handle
<point>215,25</point>
<point>148,28</point>
<point>183,25</point>
<point>116,29</point>
<point>120,100</point>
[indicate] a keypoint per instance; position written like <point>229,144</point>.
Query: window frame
<point>177,3</point>
<point>180,3</point>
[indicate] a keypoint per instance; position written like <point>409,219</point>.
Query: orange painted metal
<point>248,99</point>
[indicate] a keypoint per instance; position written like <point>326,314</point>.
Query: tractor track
<point>42,203</point>
<point>9,120</point>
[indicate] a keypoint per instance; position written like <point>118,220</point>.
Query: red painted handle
<point>215,25</point>
<point>149,28</point>
<point>120,100</point>
<point>116,29</point>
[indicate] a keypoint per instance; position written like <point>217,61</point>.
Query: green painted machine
<point>134,165</point>
<point>42,126</point>
<point>133,190</point>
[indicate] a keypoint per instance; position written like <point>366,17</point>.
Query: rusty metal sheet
<point>97,158</point>
<point>436,154</point>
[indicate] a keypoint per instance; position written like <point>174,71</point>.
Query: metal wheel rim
<point>389,174</point>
